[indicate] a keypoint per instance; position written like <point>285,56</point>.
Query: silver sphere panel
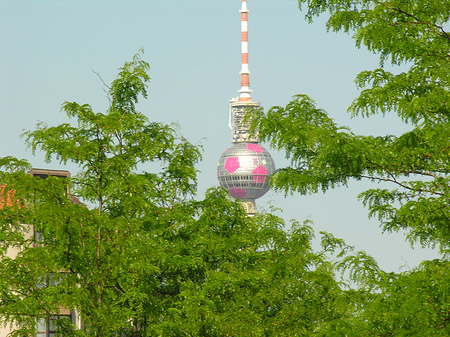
<point>243,169</point>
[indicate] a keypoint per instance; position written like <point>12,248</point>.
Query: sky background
<point>49,50</point>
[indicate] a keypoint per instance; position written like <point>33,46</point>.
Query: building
<point>46,327</point>
<point>244,168</point>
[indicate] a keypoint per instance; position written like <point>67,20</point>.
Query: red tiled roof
<point>6,198</point>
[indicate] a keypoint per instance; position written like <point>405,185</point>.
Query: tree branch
<point>395,181</point>
<point>106,92</point>
<point>444,34</point>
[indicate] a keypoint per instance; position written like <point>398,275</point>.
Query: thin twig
<point>105,91</point>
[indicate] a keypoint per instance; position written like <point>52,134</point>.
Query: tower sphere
<point>243,170</point>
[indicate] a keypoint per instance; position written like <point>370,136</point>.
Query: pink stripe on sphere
<point>259,174</point>
<point>255,148</point>
<point>237,193</point>
<point>232,164</point>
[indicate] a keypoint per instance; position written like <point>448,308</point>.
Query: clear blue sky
<point>48,49</point>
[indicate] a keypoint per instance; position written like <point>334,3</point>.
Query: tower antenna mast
<point>244,92</point>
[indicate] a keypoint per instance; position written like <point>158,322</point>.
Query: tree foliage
<point>325,155</point>
<point>100,248</point>
<point>415,164</point>
<point>140,256</point>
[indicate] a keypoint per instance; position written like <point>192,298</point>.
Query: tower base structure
<point>250,207</point>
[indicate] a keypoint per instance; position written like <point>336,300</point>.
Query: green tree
<point>259,280</point>
<point>102,249</point>
<point>226,274</point>
<point>325,155</point>
<point>416,165</point>
<point>140,256</point>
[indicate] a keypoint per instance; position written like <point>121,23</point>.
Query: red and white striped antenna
<point>244,92</point>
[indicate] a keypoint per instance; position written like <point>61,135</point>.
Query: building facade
<point>46,327</point>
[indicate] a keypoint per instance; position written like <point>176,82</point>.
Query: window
<point>37,238</point>
<point>50,280</point>
<point>48,327</point>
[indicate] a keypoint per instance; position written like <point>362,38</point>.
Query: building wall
<point>29,233</point>
<point>12,253</point>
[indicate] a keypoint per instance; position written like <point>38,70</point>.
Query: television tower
<point>244,168</point>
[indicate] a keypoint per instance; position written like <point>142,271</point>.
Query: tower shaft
<point>244,168</point>
<point>240,128</point>
<point>239,106</point>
